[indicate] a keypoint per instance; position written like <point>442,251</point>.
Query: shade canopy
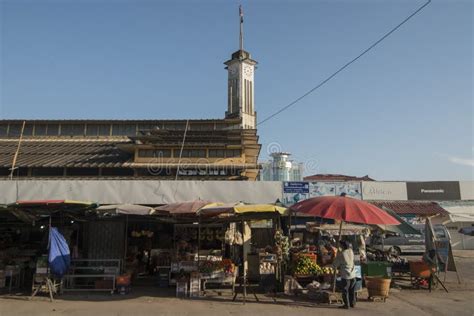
<point>125,209</point>
<point>403,228</point>
<point>240,208</point>
<point>184,208</point>
<point>32,210</point>
<point>345,209</point>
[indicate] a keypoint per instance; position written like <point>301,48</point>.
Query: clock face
<point>248,71</point>
<point>232,70</point>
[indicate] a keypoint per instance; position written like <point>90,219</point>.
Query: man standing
<point>344,262</point>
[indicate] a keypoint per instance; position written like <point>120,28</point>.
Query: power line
<point>346,65</point>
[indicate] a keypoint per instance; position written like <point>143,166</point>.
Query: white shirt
<point>344,261</point>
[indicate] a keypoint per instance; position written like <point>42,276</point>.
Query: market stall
<point>342,209</point>
<point>24,237</point>
<point>257,264</point>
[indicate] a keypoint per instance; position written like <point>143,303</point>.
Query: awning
<point>240,209</point>
<point>460,213</point>
<point>125,209</point>
<point>33,210</point>
<point>403,229</point>
<point>183,208</point>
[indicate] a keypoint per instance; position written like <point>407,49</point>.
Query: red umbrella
<point>345,209</point>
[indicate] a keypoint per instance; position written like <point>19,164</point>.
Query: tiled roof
<point>336,177</point>
<point>63,153</point>
<point>412,207</point>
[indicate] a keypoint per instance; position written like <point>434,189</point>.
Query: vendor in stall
<point>344,262</point>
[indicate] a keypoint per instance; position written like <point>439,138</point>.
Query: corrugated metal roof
<point>412,207</point>
<point>336,177</point>
<point>61,153</point>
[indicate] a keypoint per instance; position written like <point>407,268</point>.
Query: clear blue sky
<point>402,112</point>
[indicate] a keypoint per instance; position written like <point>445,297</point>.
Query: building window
<point>47,172</point>
<point>82,172</point>
<point>250,97</point>
<point>40,129</point>
<point>14,130</point>
<point>175,127</point>
<point>28,131</point>
<point>107,172</point>
<point>148,127</point>
<point>191,153</point>
<point>72,130</point>
<point>154,153</point>
<point>98,130</point>
<point>201,127</point>
<point>3,129</point>
<point>53,130</point>
<point>124,130</point>
<point>233,153</point>
<point>216,153</point>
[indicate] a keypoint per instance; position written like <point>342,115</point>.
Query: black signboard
<point>434,191</point>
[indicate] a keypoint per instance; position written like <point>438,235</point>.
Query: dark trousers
<point>348,292</point>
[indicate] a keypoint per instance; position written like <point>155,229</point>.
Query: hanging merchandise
<point>238,239</point>
<point>59,255</point>
<point>229,236</point>
<point>282,244</point>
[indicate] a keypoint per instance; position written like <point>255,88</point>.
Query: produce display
<point>210,266</point>
<point>328,270</point>
<point>306,266</point>
<point>142,233</point>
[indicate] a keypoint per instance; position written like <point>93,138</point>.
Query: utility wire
<point>346,65</point>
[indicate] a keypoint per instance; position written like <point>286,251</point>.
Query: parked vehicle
<point>412,243</point>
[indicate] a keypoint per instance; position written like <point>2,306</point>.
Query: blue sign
<point>295,187</point>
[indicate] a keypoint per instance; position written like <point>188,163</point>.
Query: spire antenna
<point>241,14</point>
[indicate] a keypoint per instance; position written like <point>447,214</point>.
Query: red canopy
<point>345,209</point>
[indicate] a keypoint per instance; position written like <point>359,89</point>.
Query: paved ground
<point>459,301</point>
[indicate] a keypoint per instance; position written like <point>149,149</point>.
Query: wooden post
<point>244,262</point>
<point>335,270</point>
<point>125,244</point>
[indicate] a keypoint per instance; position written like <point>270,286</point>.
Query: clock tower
<point>240,84</point>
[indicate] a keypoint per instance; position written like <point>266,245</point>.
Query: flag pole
<point>241,38</point>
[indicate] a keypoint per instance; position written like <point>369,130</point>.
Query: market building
<point>209,149</point>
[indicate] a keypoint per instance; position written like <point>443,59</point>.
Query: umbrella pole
<point>289,226</point>
<point>244,257</point>
<point>335,270</point>
<point>199,248</point>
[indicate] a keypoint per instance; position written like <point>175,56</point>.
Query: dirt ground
<point>459,301</point>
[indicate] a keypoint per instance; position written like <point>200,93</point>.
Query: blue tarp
<point>59,255</point>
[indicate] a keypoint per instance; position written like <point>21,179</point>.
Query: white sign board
<point>140,191</point>
<point>467,190</point>
<point>395,191</point>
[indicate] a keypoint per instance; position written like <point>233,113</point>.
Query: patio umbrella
<point>344,209</point>
<point>183,208</point>
<point>125,209</point>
